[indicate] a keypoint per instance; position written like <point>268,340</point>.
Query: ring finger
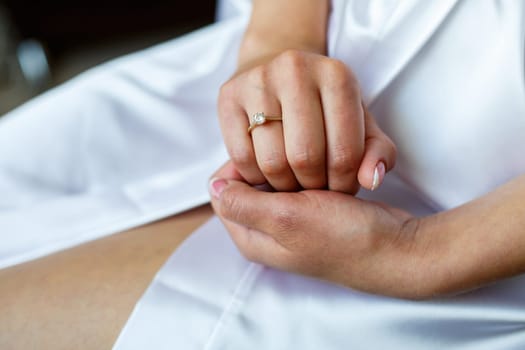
<point>268,143</point>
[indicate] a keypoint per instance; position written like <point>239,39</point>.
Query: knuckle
<point>288,225</point>
<point>343,161</point>
<point>336,69</point>
<point>292,57</point>
<point>306,159</point>
<point>339,76</point>
<point>242,158</point>
<point>286,221</point>
<point>230,208</point>
<point>273,164</point>
<point>258,76</point>
<point>294,63</point>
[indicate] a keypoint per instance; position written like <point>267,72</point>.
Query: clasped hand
<point>326,146</point>
<point>326,140</point>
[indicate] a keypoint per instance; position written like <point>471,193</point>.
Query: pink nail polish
<point>379,175</point>
<point>216,186</point>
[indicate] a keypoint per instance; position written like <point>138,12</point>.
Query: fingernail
<point>216,186</point>
<point>379,175</point>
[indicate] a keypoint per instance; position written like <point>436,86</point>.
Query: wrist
<point>443,264</point>
<point>258,47</point>
<point>413,260</point>
<point>276,26</point>
<point>424,268</point>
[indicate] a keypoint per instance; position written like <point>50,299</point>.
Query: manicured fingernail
<point>216,186</point>
<point>379,175</point>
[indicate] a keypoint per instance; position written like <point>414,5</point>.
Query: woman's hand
<point>371,246</point>
<point>326,140</point>
<point>324,234</point>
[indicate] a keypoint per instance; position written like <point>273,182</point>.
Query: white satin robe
<point>135,140</point>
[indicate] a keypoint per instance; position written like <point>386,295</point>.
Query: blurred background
<point>43,43</point>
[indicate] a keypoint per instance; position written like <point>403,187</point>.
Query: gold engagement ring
<point>259,119</point>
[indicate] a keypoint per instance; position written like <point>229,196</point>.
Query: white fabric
<point>136,139</point>
<point>208,297</point>
<point>127,143</point>
<point>430,84</point>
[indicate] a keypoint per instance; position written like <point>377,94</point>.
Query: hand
<point>326,140</point>
<point>324,234</point>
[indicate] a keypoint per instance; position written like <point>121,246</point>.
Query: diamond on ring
<point>258,118</point>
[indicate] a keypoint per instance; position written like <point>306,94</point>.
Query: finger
<point>294,220</point>
<point>303,125</point>
<point>380,155</point>
<point>253,244</point>
<point>344,126</point>
<point>234,126</point>
<point>279,214</point>
<point>268,140</point>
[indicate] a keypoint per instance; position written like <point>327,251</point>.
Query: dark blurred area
<point>63,25</point>
<point>43,43</point>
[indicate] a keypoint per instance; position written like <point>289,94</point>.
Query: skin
<point>81,298</point>
<point>41,300</point>
<point>327,139</point>
<point>365,245</point>
<point>373,247</point>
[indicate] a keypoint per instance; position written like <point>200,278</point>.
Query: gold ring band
<point>259,119</point>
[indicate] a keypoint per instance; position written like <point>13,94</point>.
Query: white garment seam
<point>239,294</point>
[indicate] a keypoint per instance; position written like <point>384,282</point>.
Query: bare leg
<point>82,297</point>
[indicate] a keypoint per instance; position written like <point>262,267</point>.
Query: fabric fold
<point>127,143</point>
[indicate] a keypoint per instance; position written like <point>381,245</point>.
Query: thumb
<point>255,220</point>
<point>379,156</point>
<point>219,180</point>
<point>268,212</point>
